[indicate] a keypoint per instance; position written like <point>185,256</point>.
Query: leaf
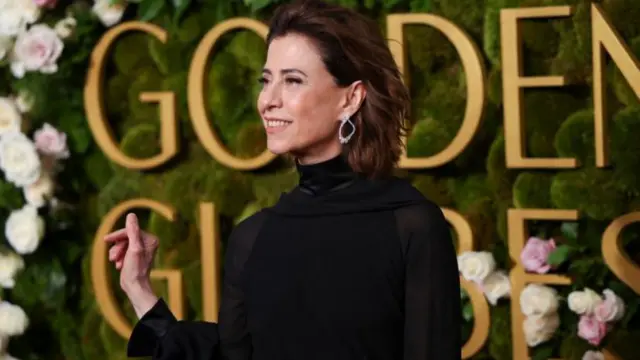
<point>388,4</point>
<point>559,255</point>
<point>258,4</point>
<point>420,6</point>
<point>467,311</point>
<point>149,9</point>
<point>570,231</point>
<point>545,352</point>
<point>80,139</point>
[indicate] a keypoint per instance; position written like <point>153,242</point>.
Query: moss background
<point>559,122</point>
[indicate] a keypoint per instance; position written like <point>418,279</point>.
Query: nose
<point>270,97</point>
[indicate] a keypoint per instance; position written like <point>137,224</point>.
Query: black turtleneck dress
<point>341,268</point>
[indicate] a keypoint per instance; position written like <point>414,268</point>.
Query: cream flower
<point>583,302</point>
<point>539,329</point>
<point>37,49</point>
<point>593,355</point>
<point>19,159</point>
<point>10,119</point>
<point>476,266</point>
<point>13,320</point>
<point>24,229</point>
<point>496,286</point>
<point>64,28</point>
<point>538,299</point>
<point>39,192</point>
<point>15,15</point>
<point>10,265</point>
<point>24,101</point>
<point>108,13</point>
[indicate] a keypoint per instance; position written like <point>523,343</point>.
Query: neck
<point>326,176</point>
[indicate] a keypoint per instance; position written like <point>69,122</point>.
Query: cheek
<point>311,112</point>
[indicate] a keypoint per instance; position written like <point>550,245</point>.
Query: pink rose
<point>611,309</point>
<point>49,4</point>
<point>592,330</point>
<point>51,142</point>
<point>535,253</point>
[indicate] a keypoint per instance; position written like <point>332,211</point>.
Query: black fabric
<point>341,268</point>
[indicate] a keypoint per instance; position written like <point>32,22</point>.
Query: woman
<point>353,263</point>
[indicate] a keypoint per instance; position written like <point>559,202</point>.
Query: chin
<point>278,147</point>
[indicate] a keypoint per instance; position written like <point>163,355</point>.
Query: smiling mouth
<point>277,123</point>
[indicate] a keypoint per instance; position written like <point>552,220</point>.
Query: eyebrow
<point>285,71</point>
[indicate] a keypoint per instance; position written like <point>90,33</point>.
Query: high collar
<point>325,177</point>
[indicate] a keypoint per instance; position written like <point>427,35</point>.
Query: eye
<point>263,80</point>
<point>293,80</point>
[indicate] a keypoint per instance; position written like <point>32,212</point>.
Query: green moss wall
<point>559,123</point>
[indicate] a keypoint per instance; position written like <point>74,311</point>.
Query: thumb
<point>133,233</point>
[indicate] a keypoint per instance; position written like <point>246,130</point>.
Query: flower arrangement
<point>539,303</point>
<point>32,166</point>
<point>479,267</point>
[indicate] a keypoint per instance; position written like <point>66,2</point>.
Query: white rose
<point>583,302</point>
<point>5,46</point>
<point>37,49</point>
<point>10,265</point>
<point>19,159</point>
<point>64,28</point>
<point>593,355</point>
<point>10,119</point>
<point>13,320</point>
<point>495,286</point>
<point>476,266</point>
<point>108,13</point>
<point>538,329</point>
<point>612,308</point>
<point>15,15</point>
<point>24,229</point>
<point>538,299</point>
<point>38,193</point>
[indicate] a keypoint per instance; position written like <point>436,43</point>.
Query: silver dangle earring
<point>345,139</point>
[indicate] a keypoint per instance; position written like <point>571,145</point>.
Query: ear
<point>354,96</point>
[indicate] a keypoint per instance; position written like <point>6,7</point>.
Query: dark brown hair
<point>353,48</point>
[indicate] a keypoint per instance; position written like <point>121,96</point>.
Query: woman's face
<point>300,104</point>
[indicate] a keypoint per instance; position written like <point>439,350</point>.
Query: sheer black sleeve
<point>160,335</point>
<point>432,286</point>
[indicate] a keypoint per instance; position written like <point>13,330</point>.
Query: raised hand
<point>132,252</point>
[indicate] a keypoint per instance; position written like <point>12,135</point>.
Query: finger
<point>117,251</point>
<point>133,232</point>
<point>116,235</point>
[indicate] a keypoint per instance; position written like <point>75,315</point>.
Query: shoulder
<point>246,231</point>
<point>419,214</point>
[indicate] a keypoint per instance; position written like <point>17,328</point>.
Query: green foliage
<point>56,287</point>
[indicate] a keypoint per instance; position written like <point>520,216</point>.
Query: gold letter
<point>196,100</point>
<point>519,277</point>
<point>481,322</point>
<point>209,255</point>
<point>93,104</point>
<point>605,36</point>
<point>513,82</point>
<point>474,70</point>
<point>614,255</point>
<point>101,280</point>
